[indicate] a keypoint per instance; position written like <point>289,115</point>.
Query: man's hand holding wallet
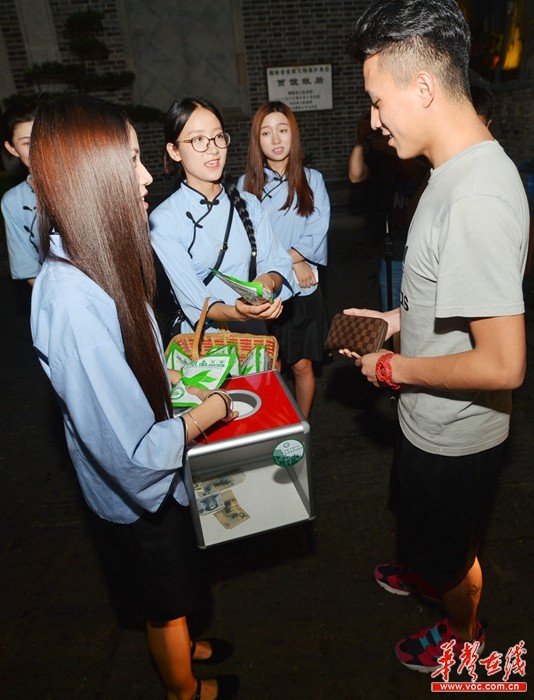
<point>358,333</point>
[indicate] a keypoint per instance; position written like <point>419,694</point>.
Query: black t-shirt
<point>392,185</point>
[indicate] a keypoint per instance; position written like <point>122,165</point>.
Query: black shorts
<point>155,562</point>
<point>442,505</point>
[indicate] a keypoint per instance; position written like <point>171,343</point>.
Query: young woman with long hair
<point>207,224</point>
<point>298,207</point>
<point>95,335</point>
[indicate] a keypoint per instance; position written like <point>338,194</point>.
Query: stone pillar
<point>38,31</point>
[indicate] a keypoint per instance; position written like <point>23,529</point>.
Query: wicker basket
<point>198,343</point>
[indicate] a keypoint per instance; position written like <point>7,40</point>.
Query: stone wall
<point>276,33</point>
<point>110,35</point>
<point>297,32</point>
<point>14,44</point>
<point>292,32</point>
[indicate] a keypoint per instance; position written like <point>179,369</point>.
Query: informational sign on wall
<point>303,88</point>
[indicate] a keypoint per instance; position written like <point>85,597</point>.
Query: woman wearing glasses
<point>207,224</point>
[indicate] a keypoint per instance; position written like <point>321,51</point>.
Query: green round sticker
<point>288,453</point>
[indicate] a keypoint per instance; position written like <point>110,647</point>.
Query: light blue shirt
<point>308,235</point>
<point>124,460</point>
<point>188,252</point>
<point>23,247</point>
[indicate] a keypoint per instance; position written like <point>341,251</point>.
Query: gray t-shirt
<point>464,258</point>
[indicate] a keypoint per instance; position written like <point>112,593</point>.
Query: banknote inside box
<point>253,474</point>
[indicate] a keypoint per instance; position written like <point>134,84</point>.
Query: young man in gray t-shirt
<point>461,312</point>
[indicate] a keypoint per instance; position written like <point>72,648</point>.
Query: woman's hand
<point>265,312</point>
<point>268,282</point>
<point>201,393</point>
<point>174,376</point>
<point>233,414</point>
<point>216,406</point>
<point>304,274</point>
<point>228,403</point>
<point>223,397</point>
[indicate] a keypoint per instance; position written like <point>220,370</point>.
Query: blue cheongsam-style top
<point>187,232</point>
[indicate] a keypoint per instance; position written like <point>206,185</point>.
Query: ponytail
<point>241,207</point>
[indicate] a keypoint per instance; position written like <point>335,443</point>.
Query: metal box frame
<point>272,450</point>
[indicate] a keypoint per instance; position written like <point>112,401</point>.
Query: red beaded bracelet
<point>384,372</point>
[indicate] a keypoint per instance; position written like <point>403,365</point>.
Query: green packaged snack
<point>251,292</point>
<point>229,350</point>
<point>206,373</point>
<point>181,398</point>
<point>176,357</point>
<point>257,360</point>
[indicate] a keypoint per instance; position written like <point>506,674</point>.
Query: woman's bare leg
<point>170,646</point>
<point>304,385</point>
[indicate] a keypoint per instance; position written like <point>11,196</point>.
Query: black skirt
<point>155,562</point>
<point>301,329</point>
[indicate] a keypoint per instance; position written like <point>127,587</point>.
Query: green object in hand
<point>251,292</point>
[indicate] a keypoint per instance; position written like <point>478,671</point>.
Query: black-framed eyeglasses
<point>202,143</point>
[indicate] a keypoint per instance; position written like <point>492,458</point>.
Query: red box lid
<point>276,409</point>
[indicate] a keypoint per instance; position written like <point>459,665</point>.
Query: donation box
<point>252,474</point>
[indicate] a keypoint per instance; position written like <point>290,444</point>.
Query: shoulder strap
<point>224,246</point>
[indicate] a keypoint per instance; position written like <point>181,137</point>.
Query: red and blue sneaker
<point>421,651</point>
<point>400,580</point>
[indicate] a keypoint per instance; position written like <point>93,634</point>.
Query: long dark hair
<point>87,190</point>
<point>255,177</point>
<point>175,121</point>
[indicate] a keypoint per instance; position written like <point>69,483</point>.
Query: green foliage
<point>55,72</point>
<point>137,113</point>
<point>80,29</point>
<point>89,48</point>
<point>77,76</point>
<point>81,24</point>
<point>107,81</point>
<point>24,100</point>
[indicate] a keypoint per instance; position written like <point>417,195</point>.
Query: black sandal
<point>220,651</point>
<point>227,687</point>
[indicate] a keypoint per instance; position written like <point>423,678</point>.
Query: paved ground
<point>300,604</point>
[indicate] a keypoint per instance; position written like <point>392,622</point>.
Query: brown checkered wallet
<point>361,334</point>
